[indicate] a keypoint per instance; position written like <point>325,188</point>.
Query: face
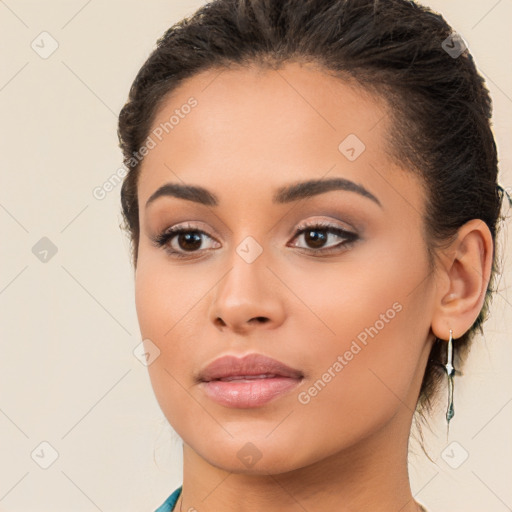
<point>334,284</point>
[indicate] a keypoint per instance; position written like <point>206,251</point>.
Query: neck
<point>369,475</point>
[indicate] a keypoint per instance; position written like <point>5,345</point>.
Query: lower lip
<point>248,393</point>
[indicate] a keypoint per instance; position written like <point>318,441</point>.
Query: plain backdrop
<point>80,428</point>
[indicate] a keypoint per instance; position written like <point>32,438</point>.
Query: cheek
<point>168,302</point>
<point>160,304</point>
<point>159,309</point>
<point>370,307</point>
<point>164,297</point>
<point>349,296</point>
<point>361,380</point>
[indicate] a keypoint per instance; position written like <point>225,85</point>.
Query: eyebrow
<point>286,194</point>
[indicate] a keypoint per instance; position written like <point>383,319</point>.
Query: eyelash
<point>163,239</point>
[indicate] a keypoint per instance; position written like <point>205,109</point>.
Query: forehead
<point>253,103</point>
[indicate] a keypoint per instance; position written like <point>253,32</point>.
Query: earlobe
<point>466,272</point>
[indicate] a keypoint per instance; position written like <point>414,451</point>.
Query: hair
<point>438,104</point>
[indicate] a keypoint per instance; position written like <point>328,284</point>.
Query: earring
<point>450,372</point>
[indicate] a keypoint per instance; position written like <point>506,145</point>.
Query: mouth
<point>244,378</point>
<point>251,381</point>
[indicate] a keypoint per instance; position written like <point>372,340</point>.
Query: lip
<point>246,382</point>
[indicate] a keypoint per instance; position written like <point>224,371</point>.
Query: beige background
<point>68,374</point>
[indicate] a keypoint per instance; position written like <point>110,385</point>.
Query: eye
<point>187,238</point>
<point>317,234</point>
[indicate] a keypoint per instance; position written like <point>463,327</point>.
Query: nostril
<point>220,322</point>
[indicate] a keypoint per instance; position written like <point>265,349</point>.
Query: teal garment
<point>169,503</point>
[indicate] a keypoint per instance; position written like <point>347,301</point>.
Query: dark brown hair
<point>438,103</point>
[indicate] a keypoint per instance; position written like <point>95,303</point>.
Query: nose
<point>247,297</point>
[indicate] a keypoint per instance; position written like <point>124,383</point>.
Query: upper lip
<point>250,365</point>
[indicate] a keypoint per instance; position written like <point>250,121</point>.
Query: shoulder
<point>169,503</point>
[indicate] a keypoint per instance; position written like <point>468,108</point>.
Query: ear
<point>463,274</point>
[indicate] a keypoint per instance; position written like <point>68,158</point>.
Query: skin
<point>251,132</point>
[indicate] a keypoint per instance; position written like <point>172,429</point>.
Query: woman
<point>313,204</point>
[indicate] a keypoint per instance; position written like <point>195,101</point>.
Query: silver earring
<point>450,372</point>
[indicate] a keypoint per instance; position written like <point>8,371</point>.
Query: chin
<point>229,461</point>
<point>252,455</point>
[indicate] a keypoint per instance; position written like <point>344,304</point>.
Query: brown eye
<point>312,237</point>
<point>180,240</point>
<point>189,240</point>
<point>316,237</point>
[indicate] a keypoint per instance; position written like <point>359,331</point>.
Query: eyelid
<point>190,225</point>
<point>338,224</point>
<point>180,227</point>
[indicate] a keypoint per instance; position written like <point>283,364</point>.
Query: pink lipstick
<point>247,382</point>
